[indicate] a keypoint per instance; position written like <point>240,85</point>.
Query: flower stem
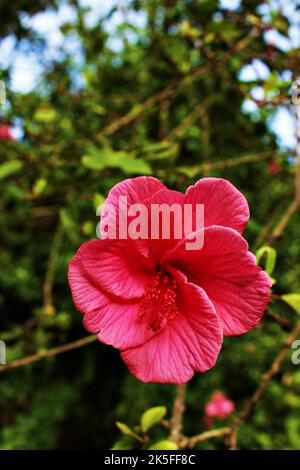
<point>178,412</point>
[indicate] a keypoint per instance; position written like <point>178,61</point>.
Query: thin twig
<point>270,373</point>
<point>171,89</point>
<point>137,110</point>
<point>189,442</point>
<point>230,162</point>
<point>283,322</point>
<point>263,234</point>
<point>48,353</point>
<point>278,230</point>
<point>297,176</point>
<point>189,120</point>
<point>49,308</point>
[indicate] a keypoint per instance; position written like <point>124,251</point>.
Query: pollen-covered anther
<point>159,303</point>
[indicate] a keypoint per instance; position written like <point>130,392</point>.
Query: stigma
<point>158,305</point>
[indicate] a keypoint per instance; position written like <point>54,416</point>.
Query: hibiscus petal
<point>136,190</point>
<point>118,324</point>
<point>113,266</point>
<point>190,342</point>
<point>115,321</point>
<point>226,270</point>
<point>166,230</point>
<point>223,204</point>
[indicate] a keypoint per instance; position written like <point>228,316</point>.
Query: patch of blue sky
<point>26,69</point>
<point>123,14</point>
<point>48,24</point>
<point>17,129</point>
<point>257,93</point>
<point>257,70</point>
<point>283,124</point>
<point>279,40</point>
<point>230,4</point>
<point>7,46</point>
<point>122,11</point>
<point>26,73</point>
<point>97,10</point>
<point>289,9</point>
<point>26,66</point>
<point>287,75</point>
<point>249,107</point>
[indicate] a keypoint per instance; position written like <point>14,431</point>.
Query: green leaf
<point>98,200</point>
<point>130,165</point>
<point>164,445</point>
<point>124,429</point>
<point>293,300</point>
<point>270,254</point>
<point>121,445</point>
<point>39,185</point>
<point>88,228</point>
<point>70,228</point>
<point>9,168</point>
<point>189,171</point>
<point>66,219</point>
<point>224,28</point>
<point>152,417</point>
<point>93,163</point>
<point>127,431</point>
<point>107,158</point>
<point>45,114</point>
<point>160,151</point>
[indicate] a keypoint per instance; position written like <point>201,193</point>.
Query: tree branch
<point>48,353</point>
<point>247,409</point>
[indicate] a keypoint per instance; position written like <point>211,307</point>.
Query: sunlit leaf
<point>164,445</point>
<point>39,185</point>
<point>152,417</point>
<point>45,114</point>
<point>293,300</point>
<point>121,445</point>
<point>9,168</point>
<point>126,430</point>
<point>270,257</point>
<point>108,158</point>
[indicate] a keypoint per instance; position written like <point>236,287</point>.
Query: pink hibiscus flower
<point>5,133</point>
<point>219,406</point>
<point>165,307</point>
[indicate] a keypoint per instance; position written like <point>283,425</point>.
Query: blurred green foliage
<point>176,81</point>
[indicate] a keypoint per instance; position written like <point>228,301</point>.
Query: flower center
<point>158,305</point>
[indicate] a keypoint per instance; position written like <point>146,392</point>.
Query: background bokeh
<point>98,91</point>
